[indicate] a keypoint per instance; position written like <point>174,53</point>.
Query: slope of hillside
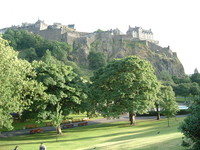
<point>163,59</point>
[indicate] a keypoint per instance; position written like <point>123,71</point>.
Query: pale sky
<point>173,22</point>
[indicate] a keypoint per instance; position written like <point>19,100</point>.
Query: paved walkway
<point>90,122</point>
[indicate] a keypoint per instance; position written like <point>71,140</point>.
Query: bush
<point>154,113</point>
<point>190,127</point>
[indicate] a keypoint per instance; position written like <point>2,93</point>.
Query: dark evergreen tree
<point>96,60</point>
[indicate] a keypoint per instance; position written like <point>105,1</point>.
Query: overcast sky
<point>173,22</point>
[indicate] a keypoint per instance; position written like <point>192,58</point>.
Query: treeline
<point>33,47</point>
<point>187,86</point>
<point>50,89</point>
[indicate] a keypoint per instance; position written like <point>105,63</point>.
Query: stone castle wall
<point>62,33</point>
<point>51,34</point>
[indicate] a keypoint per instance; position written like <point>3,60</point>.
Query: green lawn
<point>147,135</point>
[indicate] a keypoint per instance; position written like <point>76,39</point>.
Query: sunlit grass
<point>147,135</point>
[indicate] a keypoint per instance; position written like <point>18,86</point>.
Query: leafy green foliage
<point>194,89</point>
<point>168,104</point>
<point>99,31</point>
<point>33,47</point>
<point>96,60</point>
<point>195,78</point>
<point>190,127</point>
<point>28,54</point>
<point>18,88</point>
<point>57,118</point>
<point>165,76</point>
<point>63,88</point>
<point>124,85</point>
<point>177,80</point>
<point>182,89</point>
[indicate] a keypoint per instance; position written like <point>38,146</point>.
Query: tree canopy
<point>33,47</point>
<point>96,60</point>
<point>63,89</point>
<point>124,85</point>
<point>169,106</point>
<point>195,78</point>
<point>17,85</point>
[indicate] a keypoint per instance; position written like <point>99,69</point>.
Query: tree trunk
<point>132,116</point>
<point>19,115</point>
<point>157,110</point>
<point>168,121</point>
<point>59,130</point>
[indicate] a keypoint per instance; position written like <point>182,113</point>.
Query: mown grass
<point>146,135</point>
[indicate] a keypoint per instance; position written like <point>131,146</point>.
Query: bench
<point>36,131</point>
<point>82,124</point>
<point>31,126</point>
<point>48,124</point>
<point>65,121</point>
<point>85,119</point>
<point>76,120</point>
<point>68,126</point>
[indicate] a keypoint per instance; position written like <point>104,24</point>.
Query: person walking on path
<point>42,147</point>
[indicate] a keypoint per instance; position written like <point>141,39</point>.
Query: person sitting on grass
<point>16,148</point>
<point>42,147</point>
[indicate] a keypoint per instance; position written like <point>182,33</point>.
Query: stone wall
<point>51,34</point>
<point>166,50</point>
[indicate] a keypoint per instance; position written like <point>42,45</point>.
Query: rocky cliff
<point>163,59</point>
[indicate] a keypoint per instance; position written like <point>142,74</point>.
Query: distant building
<point>68,33</point>
<point>141,34</point>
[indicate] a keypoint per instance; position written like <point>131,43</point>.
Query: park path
<point>90,122</point>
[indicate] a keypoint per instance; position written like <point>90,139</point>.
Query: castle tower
<point>40,25</point>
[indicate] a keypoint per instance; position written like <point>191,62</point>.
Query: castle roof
<point>136,29</point>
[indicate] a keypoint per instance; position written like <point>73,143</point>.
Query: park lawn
<point>146,135</point>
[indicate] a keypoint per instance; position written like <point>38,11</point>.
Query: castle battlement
<point>68,33</point>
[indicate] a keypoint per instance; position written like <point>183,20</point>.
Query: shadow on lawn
<point>51,138</point>
<point>172,144</point>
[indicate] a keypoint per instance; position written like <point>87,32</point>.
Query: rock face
<point>163,59</point>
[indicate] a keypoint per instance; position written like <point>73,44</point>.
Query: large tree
<point>18,88</point>
<point>63,87</point>
<point>124,85</point>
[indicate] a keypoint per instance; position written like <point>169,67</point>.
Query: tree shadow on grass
<point>51,138</point>
<point>172,144</point>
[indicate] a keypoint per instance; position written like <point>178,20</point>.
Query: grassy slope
<point>110,136</point>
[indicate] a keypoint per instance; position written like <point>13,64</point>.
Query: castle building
<point>67,33</point>
<point>141,34</point>
<point>41,25</point>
